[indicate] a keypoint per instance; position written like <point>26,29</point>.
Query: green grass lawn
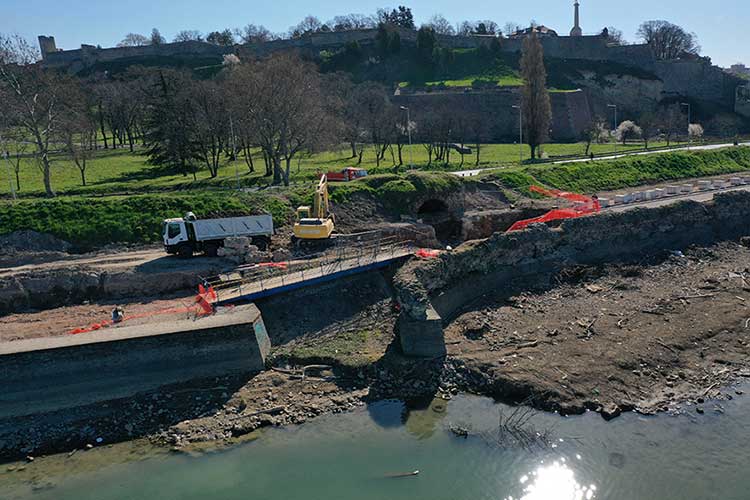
<point>120,171</point>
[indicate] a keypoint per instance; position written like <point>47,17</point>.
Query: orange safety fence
<point>201,307</point>
<point>424,253</point>
<point>582,205</point>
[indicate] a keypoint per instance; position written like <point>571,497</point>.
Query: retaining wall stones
<point>441,286</point>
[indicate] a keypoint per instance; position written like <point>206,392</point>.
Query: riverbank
<point>663,335</point>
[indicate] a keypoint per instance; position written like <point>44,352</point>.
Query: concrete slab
<point>43,375</point>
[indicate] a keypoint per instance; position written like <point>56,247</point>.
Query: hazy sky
<point>721,25</point>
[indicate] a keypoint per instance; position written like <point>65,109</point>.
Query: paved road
<point>477,171</point>
<point>696,196</point>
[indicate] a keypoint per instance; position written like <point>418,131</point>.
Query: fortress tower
<point>576,31</point>
<point>47,45</point>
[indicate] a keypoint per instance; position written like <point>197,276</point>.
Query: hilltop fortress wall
<point>689,78</point>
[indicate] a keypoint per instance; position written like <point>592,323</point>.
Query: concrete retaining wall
<point>444,285</point>
<point>45,375</point>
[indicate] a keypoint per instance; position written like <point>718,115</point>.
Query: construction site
<point>629,300</point>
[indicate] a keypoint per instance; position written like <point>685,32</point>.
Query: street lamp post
<point>520,133</point>
<point>408,131</point>
<point>614,121</point>
<point>687,105</point>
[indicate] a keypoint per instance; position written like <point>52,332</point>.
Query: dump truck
<point>190,235</point>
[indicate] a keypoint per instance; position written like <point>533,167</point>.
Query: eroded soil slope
<point>645,337</point>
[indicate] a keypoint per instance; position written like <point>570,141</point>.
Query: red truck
<point>346,175</point>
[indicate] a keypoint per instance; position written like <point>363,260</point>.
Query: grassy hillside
<point>123,172</point>
<point>591,177</point>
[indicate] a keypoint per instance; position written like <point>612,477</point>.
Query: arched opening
<point>432,206</point>
<point>437,214</point>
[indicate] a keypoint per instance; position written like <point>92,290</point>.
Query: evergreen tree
<point>535,105</point>
<point>169,125</point>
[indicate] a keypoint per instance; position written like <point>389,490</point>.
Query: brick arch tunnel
<point>438,214</point>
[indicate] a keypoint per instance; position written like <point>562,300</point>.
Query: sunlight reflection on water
<point>556,481</point>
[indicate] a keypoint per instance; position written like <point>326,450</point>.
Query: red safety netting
<point>200,307</point>
<point>424,253</point>
<point>582,205</point>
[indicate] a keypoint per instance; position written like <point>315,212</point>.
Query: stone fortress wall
<point>689,78</point>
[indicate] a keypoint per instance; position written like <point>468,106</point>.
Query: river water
<point>355,455</point>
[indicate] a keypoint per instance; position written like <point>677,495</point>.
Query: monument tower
<point>576,31</point>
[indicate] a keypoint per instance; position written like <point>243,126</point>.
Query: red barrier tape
<point>202,307</point>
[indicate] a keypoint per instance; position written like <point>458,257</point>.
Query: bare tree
<point>13,147</point>
<point>352,22</point>
<point>671,120</point>
<point>310,24</point>
<point>211,124</point>
<point>134,40</point>
<point>440,25</point>
<point>254,34</point>
<point>535,103</point>
<point>649,123</point>
<point>79,133</point>
<point>281,100</point>
<point>614,36</point>
<point>34,99</point>
<point>188,36</point>
<point>667,40</point>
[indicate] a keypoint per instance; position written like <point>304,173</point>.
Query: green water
<point>350,456</point>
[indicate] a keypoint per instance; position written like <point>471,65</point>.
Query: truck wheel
<point>185,252</point>
<point>211,250</point>
<point>261,242</point>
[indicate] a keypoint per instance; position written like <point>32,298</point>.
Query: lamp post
<point>614,121</point>
<point>408,131</point>
<point>520,133</point>
<point>687,105</point>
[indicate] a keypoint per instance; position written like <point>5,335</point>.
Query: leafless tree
<point>254,34</point>
<point>134,40</point>
<point>79,132</point>
<point>211,124</point>
<point>282,102</point>
<point>667,40</point>
<point>615,36</point>
<point>351,22</point>
<point>671,122</point>
<point>34,99</point>
<point>310,24</point>
<point>650,124</point>
<point>441,25</point>
<point>188,36</point>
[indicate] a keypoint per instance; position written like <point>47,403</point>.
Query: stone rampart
<point>434,289</point>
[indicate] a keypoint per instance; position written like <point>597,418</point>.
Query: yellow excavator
<point>314,223</point>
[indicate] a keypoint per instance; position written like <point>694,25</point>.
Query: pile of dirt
<point>32,241</point>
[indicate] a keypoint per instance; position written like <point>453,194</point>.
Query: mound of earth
<point>32,241</point>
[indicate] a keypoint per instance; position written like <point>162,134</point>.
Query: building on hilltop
<point>541,31</point>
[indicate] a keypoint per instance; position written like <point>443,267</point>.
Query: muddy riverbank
<point>663,335</point>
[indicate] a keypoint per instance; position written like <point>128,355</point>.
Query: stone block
<point>422,338</point>
<point>704,185</point>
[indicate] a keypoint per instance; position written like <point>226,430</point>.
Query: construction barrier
<point>582,205</point>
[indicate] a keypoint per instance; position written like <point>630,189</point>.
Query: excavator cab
<point>316,222</point>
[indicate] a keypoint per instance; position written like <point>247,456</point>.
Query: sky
<point>721,25</point>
